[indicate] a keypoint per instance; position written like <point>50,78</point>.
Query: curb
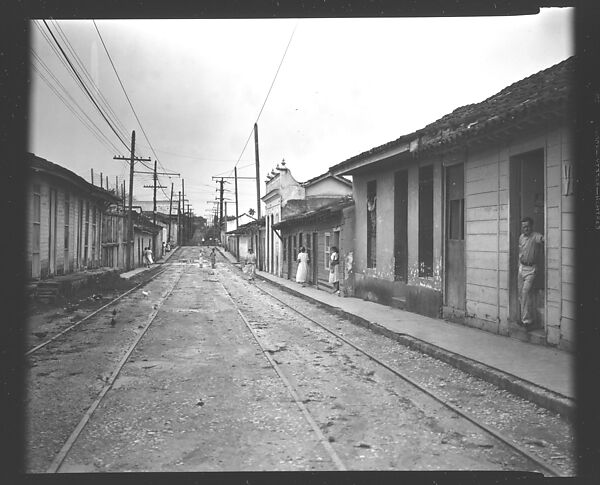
<point>543,397</point>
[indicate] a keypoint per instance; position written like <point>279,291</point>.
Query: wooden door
<point>455,238</point>
<point>52,232</point>
<point>315,266</point>
<point>401,225</point>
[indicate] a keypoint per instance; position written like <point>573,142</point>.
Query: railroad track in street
<point>92,314</point>
<point>76,339</point>
<point>303,386</point>
<point>537,463</point>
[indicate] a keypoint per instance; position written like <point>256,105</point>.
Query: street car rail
<point>95,312</point>
<point>546,467</point>
<point>62,454</point>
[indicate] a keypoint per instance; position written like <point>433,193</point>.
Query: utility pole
<point>132,160</point>
<point>154,187</point>
<point>257,160</point>
<point>92,170</point>
<point>257,171</point>
<point>183,233</point>
<point>170,209</point>
<point>179,219</point>
<point>237,223</point>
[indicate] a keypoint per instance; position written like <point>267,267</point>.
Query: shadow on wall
<point>371,289</point>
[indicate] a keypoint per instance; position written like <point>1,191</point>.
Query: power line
<point>268,93</point>
<point>129,101</point>
<point>97,133</point>
<point>70,102</point>
<point>104,101</point>
<point>83,85</point>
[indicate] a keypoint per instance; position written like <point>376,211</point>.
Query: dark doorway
<point>52,231</point>
<point>526,200</point>
<point>455,237</point>
<point>401,226</point>
<point>315,266</point>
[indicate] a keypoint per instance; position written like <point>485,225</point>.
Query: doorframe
<point>515,172</point>
<point>446,229</point>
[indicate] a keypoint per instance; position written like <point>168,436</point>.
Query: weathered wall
<point>487,193</point>
<point>328,187</point>
<point>71,263</point>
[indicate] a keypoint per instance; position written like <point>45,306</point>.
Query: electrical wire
<point>71,103</point>
<point>268,93</point>
<point>130,104</point>
<point>93,84</point>
<point>84,86</point>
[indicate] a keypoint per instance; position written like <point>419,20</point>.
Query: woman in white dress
<point>302,271</point>
<point>334,264</point>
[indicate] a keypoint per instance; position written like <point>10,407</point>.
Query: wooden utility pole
<point>92,170</point>
<point>257,171</point>
<point>257,163</point>
<point>237,222</point>
<point>170,210</point>
<point>154,186</point>
<point>183,231</point>
<point>179,219</point>
<point>132,160</point>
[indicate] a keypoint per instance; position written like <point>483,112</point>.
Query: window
<point>371,224</point>
<point>426,221</point>
<point>67,217</point>
<point>327,249</point>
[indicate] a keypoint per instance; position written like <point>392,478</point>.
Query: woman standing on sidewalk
<point>302,271</point>
<point>334,264</point>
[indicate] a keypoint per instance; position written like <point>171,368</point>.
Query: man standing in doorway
<point>530,246</point>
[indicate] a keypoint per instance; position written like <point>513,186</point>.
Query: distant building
<point>285,198</point>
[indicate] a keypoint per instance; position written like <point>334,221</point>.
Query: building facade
<point>281,186</point>
<point>318,230</point>
<point>438,211</point>
<point>65,220</point>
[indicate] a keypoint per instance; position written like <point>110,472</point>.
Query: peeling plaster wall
<point>378,283</point>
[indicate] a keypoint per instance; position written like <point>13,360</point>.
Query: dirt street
<point>198,392</point>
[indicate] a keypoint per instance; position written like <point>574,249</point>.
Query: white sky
<point>345,86</point>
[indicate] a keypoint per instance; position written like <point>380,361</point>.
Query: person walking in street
<point>250,266</point>
<point>213,258</point>
<point>530,247</point>
<point>302,271</point>
<point>334,263</point>
<point>148,257</point>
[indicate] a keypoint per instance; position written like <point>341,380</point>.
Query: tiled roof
<point>41,164</point>
<point>325,211</point>
<point>324,176</point>
<point>546,90</point>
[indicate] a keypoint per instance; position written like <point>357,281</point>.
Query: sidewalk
<point>541,374</point>
<point>141,269</point>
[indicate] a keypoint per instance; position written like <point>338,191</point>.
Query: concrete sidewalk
<point>541,374</point>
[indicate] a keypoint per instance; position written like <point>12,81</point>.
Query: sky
<point>321,91</point>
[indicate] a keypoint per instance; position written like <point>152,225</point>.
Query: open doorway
<point>527,200</point>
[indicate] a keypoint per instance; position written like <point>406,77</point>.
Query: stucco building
<point>438,211</point>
